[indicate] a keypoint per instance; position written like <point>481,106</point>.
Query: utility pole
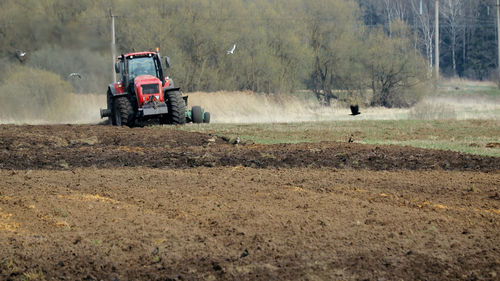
<point>113,43</point>
<point>498,40</point>
<point>437,41</point>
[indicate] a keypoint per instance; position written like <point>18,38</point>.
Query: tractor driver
<point>141,66</point>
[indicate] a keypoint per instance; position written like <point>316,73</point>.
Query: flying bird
<point>74,74</point>
<point>230,52</point>
<point>355,110</point>
<point>21,55</point>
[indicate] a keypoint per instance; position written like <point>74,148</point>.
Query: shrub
<point>32,94</point>
<point>396,69</point>
<point>94,68</point>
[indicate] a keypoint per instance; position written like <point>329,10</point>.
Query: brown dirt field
<point>72,146</point>
<point>103,203</point>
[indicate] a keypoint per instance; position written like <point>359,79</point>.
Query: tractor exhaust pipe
<point>105,113</point>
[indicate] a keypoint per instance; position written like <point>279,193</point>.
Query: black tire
<point>206,118</point>
<point>109,102</point>
<point>122,112</point>
<point>176,108</point>
<point>197,114</point>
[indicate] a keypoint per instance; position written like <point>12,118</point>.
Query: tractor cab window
<point>141,66</point>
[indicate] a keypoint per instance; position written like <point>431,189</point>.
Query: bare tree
<point>395,10</point>
<point>425,26</point>
<point>452,12</point>
<point>471,12</point>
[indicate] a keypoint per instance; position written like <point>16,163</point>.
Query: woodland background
<point>337,49</point>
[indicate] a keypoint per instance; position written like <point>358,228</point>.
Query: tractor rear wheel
<point>197,114</point>
<point>109,102</point>
<point>123,113</point>
<point>176,108</point>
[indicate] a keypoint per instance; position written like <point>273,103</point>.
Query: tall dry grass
<point>247,107</point>
<point>459,82</point>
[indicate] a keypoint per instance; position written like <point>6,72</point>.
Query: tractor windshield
<point>141,66</point>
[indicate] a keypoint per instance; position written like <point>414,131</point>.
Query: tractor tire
<point>109,103</point>
<point>122,112</point>
<point>197,114</point>
<point>206,118</point>
<point>176,108</point>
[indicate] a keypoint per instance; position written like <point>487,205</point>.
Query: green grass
<point>469,90</point>
<point>467,136</point>
<point>441,145</point>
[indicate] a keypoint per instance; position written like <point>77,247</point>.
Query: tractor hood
<point>148,89</point>
<point>145,79</point>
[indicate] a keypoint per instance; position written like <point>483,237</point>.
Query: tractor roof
<point>138,54</point>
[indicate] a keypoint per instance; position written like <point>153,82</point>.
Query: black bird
<point>355,110</point>
<point>244,254</point>
<point>351,139</point>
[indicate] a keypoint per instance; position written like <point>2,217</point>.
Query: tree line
<point>467,31</point>
<point>357,51</point>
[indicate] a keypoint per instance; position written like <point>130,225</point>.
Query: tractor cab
<point>142,66</point>
<point>133,65</point>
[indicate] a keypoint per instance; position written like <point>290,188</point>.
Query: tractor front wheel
<point>122,113</point>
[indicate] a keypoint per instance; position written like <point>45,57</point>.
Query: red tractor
<point>145,92</point>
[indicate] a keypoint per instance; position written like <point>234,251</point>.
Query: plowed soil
<point>87,202</point>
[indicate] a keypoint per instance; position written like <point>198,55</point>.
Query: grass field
<point>461,116</point>
<point>467,136</point>
<point>457,87</point>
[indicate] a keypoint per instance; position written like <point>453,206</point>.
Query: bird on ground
<point>75,74</point>
<point>355,110</point>
<point>351,139</point>
<point>156,251</point>
<point>244,254</point>
<point>230,52</point>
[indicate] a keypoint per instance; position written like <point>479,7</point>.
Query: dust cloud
<point>245,107</point>
<point>41,90</point>
<point>77,109</point>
